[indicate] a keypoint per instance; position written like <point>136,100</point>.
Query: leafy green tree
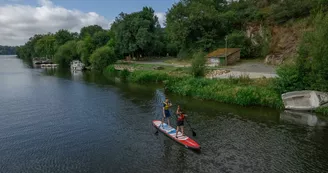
<point>100,39</point>
<point>238,39</point>
<point>27,52</point>
<point>136,33</point>
<point>90,30</point>
<point>196,23</point>
<point>102,57</point>
<point>45,47</point>
<point>66,53</point>
<point>62,36</point>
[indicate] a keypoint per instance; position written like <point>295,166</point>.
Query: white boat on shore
<point>306,100</point>
<point>77,65</point>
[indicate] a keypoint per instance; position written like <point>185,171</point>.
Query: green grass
<point>323,111</point>
<point>178,61</point>
<point>241,91</point>
<point>226,90</point>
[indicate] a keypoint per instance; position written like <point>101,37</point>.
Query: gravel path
<point>251,69</point>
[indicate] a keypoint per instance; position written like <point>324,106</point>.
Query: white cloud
<point>161,18</point>
<point>20,22</point>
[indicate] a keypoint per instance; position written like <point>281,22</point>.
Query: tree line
<point>7,50</point>
<point>191,26</point>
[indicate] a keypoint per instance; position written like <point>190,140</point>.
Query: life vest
<point>181,117</point>
<point>166,106</point>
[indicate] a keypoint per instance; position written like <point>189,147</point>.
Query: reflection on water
<point>77,75</point>
<point>304,118</point>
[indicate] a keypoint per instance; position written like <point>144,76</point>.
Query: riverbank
<point>241,91</point>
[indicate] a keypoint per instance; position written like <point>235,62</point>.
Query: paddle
<point>193,132</point>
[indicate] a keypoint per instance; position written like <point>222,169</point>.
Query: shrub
<point>110,71</point>
<point>66,53</point>
<point>102,57</point>
<point>184,54</point>
<point>291,9</point>
<point>198,66</point>
<point>322,110</point>
<point>238,39</point>
<point>124,74</point>
<point>148,76</point>
<point>223,91</point>
<point>288,79</point>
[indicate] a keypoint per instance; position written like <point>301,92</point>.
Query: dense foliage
<point>198,65</point>
<point>310,70</point>
<point>139,34</point>
<point>102,57</point>
<point>194,25</point>
<point>7,50</point>
<point>191,25</point>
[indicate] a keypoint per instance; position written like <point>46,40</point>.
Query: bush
<point>124,74</point>
<point>322,110</point>
<point>238,39</point>
<point>223,91</point>
<point>291,9</point>
<point>102,57</point>
<point>198,66</point>
<point>288,79</point>
<point>66,53</point>
<point>110,71</point>
<point>184,54</point>
<point>148,77</point>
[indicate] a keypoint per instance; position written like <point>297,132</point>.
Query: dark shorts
<point>167,113</point>
<point>180,123</point>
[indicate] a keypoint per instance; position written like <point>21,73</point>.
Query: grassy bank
<point>241,91</point>
<point>323,111</point>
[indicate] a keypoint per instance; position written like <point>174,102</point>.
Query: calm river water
<point>54,121</point>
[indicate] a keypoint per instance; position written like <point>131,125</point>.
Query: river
<point>56,121</point>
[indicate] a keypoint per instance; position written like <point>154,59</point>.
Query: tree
<point>66,53</point>
<point>45,46</point>
<point>196,23</point>
<point>102,57</point>
<point>238,39</point>
<point>90,31</point>
<point>62,36</point>
<point>7,50</point>
<point>135,33</point>
<point>100,39</point>
<point>27,52</point>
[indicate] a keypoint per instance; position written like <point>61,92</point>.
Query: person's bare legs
<point>168,121</point>
<point>182,130</point>
<point>176,134</point>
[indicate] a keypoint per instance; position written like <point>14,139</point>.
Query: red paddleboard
<point>171,132</point>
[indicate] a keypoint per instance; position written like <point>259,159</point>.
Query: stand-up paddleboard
<point>171,132</point>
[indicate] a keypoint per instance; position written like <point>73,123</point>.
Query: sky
<point>21,19</point>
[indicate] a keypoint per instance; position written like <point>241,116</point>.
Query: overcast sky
<point>21,19</point>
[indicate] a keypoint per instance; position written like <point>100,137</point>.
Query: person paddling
<point>166,112</point>
<point>180,121</point>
